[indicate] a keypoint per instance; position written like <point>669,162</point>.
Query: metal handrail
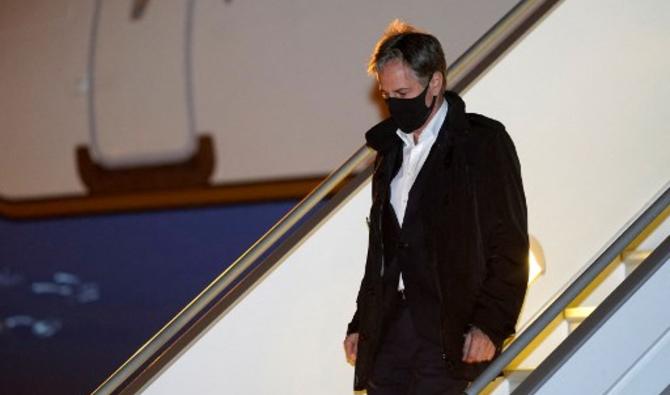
<point>636,227</point>
<point>464,71</point>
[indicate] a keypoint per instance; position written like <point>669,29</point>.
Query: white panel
<point>140,85</point>
<point>649,375</point>
<point>285,337</point>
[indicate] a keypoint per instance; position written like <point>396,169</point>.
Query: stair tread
<point>578,313</point>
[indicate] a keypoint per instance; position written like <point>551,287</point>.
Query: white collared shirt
<point>413,157</point>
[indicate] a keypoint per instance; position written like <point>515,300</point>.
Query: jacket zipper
<point>441,307</point>
<point>380,201</point>
<point>441,303</point>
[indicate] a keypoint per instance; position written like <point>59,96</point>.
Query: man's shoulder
<point>486,138</point>
<point>460,120</point>
<point>484,127</point>
<point>488,132</point>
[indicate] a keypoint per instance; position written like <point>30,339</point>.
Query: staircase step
<point>575,315</point>
<point>633,259</point>
<point>506,384</point>
<point>516,377</point>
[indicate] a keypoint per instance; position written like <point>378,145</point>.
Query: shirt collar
<point>432,129</point>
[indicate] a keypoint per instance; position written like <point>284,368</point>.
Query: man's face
<point>397,80</point>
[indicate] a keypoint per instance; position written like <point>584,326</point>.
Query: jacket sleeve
<point>501,196</point>
<point>363,290</point>
<point>353,324</point>
<point>365,286</point>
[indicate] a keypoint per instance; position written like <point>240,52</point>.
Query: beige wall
<point>281,86</point>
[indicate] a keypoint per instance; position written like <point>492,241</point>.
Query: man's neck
<point>438,103</point>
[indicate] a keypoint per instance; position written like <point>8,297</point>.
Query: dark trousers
<point>408,364</point>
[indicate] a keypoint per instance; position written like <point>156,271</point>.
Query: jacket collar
<point>382,136</point>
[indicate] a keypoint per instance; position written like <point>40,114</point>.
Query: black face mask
<point>410,114</point>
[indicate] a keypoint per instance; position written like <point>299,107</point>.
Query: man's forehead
<point>396,72</point>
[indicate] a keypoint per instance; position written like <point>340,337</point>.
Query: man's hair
<point>420,51</point>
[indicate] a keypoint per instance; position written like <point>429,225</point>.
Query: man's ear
<point>436,83</point>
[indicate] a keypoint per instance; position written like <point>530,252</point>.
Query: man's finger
<point>481,347</point>
<point>466,346</point>
<point>351,348</point>
<point>476,348</point>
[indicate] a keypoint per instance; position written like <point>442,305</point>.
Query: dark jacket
<point>473,209</point>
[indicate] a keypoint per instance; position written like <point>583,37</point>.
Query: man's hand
<point>351,347</point>
<point>478,347</point>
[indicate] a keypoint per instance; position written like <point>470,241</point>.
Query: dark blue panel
<point>79,295</point>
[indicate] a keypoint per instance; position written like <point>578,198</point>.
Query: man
<point>446,270</point>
